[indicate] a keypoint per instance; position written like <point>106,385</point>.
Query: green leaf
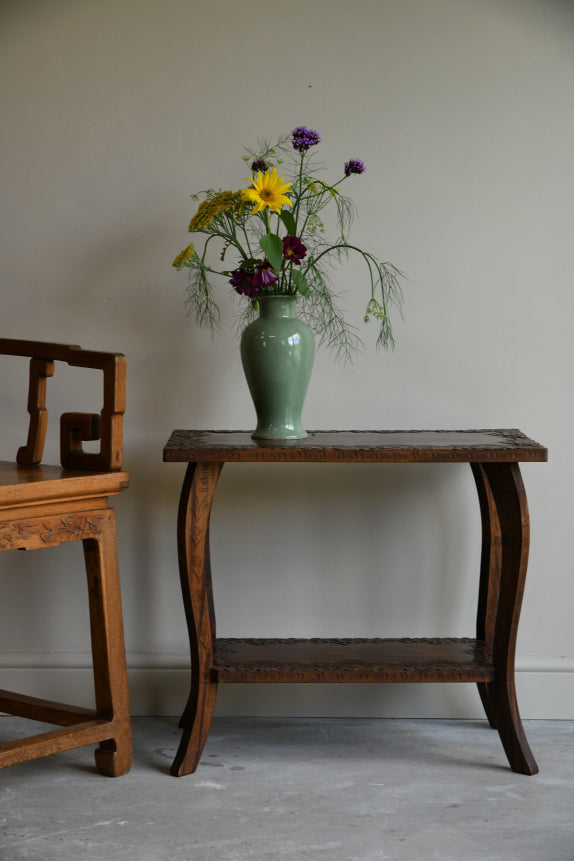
<point>289,222</point>
<point>273,249</point>
<point>300,282</point>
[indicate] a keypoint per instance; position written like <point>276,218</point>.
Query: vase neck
<point>277,306</point>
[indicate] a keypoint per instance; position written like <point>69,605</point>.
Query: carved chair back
<point>75,428</point>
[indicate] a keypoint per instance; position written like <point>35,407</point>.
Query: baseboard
<point>159,686</point>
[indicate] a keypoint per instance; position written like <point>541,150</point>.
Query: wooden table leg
<point>195,574</point>
<point>489,585</point>
<point>507,536</point>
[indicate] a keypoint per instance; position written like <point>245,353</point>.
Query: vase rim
<point>281,306</point>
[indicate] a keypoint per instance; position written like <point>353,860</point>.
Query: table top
<point>356,446</point>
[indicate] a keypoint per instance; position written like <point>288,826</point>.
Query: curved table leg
<point>489,585</point>
<point>509,544</point>
<point>195,574</point>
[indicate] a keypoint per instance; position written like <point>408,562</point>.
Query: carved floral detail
<point>18,534</point>
<point>15,534</point>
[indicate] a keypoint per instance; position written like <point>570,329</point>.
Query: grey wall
<point>112,113</point>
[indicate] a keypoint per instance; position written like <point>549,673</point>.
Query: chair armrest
<point>74,427</point>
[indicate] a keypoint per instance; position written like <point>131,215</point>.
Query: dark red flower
<point>264,275</point>
<point>242,280</point>
<point>293,249</point>
<point>259,165</point>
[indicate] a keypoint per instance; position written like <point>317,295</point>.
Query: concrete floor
<point>333,789</point>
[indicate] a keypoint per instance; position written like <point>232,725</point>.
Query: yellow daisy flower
<point>268,190</point>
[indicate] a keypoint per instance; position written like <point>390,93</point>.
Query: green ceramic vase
<point>277,352</point>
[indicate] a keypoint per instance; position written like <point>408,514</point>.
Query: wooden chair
<point>45,506</point>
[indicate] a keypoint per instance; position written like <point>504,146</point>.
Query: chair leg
<point>114,755</point>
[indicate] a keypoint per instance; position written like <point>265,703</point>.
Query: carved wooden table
<point>487,659</point>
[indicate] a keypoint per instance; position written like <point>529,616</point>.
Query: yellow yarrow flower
<point>184,256</point>
<point>224,201</point>
<point>268,191</point>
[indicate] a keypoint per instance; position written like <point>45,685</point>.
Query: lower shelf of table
<point>352,660</point>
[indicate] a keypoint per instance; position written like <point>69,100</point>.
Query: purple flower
<point>304,138</point>
<point>243,281</point>
<point>259,165</point>
<point>264,275</point>
<point>354,165</point>
<point>293,249</point>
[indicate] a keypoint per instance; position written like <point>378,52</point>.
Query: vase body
<point>277,352</point>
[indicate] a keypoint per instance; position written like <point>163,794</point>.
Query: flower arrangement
<point>276,227</point>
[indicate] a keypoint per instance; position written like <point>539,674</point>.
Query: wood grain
<point>195,576</point>
<point>350,446</point>
<point>352,660</point>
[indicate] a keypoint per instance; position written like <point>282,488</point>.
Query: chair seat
<point>22,486</point>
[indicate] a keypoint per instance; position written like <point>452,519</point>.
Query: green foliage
<point>300,282</point>
<point>273,249</point>
<point>289,222</point>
